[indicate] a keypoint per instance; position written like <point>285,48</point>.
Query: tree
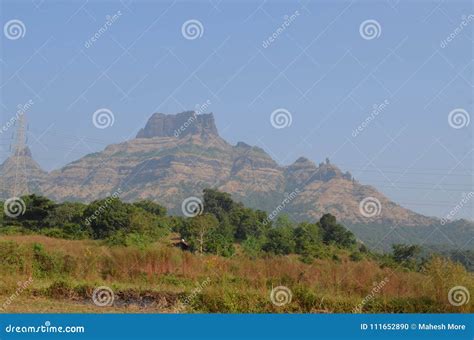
<point>219,243</point>
<point>35,212</point>
<point>283,221</point>
<point>307,237</point>
<point>106,216</point>
<point>280,241</point>
<point>247,222</point>
<point>221,205</point>
<point>151,207</point>
<point>405,253</point>
<point>196,231</point>
<point>217,203</point>
<point>69,218</point>
<point>334,232</point>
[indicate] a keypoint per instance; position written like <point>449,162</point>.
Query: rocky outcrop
<point>179,125</point>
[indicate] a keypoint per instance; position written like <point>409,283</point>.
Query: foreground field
<point>161,278</point>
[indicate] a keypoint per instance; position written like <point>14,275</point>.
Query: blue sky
<point>320,68</point>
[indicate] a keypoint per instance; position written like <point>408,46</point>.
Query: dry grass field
<point>165,279</point>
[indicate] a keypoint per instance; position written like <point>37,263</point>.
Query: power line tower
<point>20,153</point>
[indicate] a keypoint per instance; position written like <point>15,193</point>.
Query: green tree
<point>247,222</point>
<point>308,238</point>
<point>106,216</point>
<point>69,218</point>
<point>221,205</point>
<point>336,233</point>
<point>197,231</point>
<point>283,221</point>
<point>35,213</point>
<point>151,207</point>
<point>219,243</point>
<point>280,241</point>
<point>402,253</point>
<point>217,203</point>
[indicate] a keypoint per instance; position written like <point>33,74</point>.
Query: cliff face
<point>179,125</point>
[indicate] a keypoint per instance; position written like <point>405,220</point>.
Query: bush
<point>356,256</point>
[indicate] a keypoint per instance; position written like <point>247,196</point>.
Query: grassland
<point>164,279</point>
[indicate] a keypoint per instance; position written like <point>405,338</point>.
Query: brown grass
<point>237,284</point>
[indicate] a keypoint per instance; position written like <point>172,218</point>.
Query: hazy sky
<point>328,64</point>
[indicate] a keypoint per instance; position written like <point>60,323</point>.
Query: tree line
<point>223,227</point>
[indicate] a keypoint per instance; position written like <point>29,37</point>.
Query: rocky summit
<point>176,156</point>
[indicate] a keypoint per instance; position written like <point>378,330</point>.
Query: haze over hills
<point>176,156</point>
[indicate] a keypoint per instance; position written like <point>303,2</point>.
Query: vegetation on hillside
<point>70,248</point>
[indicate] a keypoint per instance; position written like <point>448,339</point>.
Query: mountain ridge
<point>176,156</point>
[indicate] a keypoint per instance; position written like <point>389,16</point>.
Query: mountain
<point>20,173</point>
<point>176,156</point>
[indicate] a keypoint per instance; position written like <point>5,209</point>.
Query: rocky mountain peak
<point>179,125</point>
<point>21,162</point>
